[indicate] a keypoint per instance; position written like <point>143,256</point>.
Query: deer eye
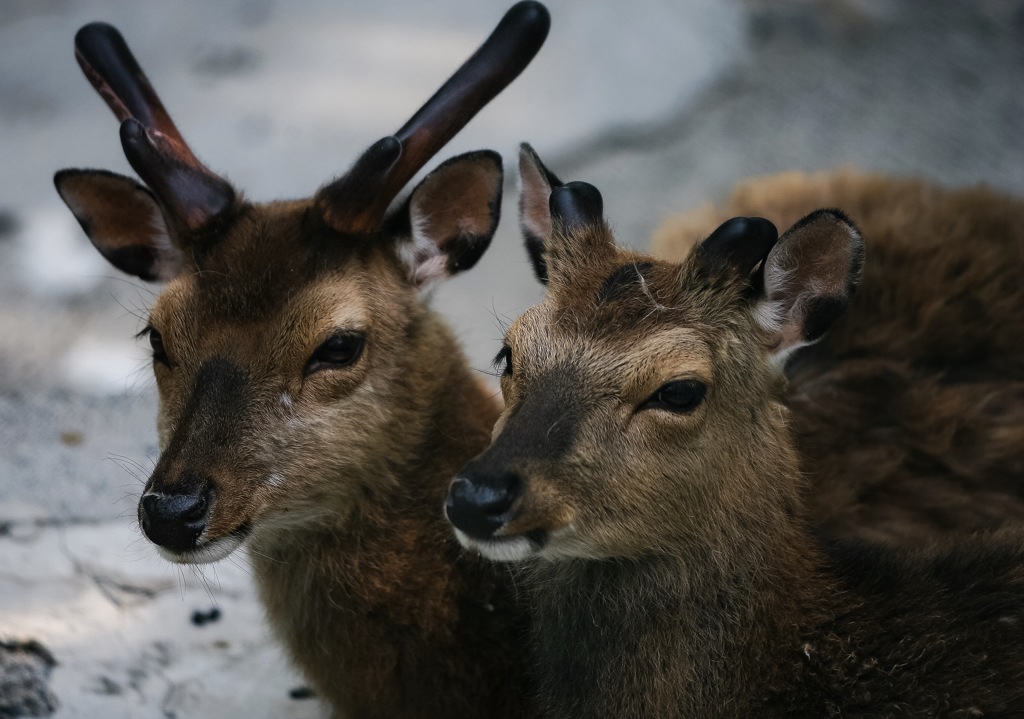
<point>682,396</point>
<point>339,350</point>
<point>503,361</point>
<point>156,342</point>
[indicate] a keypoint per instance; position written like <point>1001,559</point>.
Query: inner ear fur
<point>562,223</point>
<point>537,183</point>
<point>810,277</point>
<point>453,214</point>
<point>123,220</point>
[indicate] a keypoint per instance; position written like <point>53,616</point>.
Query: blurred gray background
<point>663,104</point>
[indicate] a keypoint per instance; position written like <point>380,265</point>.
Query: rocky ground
<point>662,104</point>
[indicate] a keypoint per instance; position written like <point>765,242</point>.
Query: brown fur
<point>675,574</point>
<point>312,405</point>
<point>339,487</point>
<point>379,609</point>
<point>909,415</point>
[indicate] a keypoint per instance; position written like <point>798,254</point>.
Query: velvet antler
<point>356,202</point>
<point>152,143</point>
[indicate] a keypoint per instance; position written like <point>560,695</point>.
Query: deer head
<point>641,397</point>
<point>285,343</point>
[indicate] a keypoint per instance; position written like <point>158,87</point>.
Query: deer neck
<point>442,416</point>
<point>457,408</point>
<point>691,633</point>
<point>349,596</point>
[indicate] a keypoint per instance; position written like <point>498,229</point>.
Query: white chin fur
<point>501,549</point>
<point>207,553</point>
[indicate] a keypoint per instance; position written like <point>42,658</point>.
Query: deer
<point>644,478</point>
<point>909,414</point>
<point>312,406</point>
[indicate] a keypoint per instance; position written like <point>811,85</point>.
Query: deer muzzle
<point>486,508</point>
<point>480,505</point>
<point>175,521</point>
<point>193,505</point>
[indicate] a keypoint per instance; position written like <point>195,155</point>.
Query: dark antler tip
<point>131,131</point>
<point>768,231</point>
<point>532,22</point>
<point>577,203</point>
<point>378,175</point>
<point>94,31</point>
<point>762,228</point>
<point>386,151</point>
<point>531,11</point>
<point>740,228</point>
<point>740,243</point>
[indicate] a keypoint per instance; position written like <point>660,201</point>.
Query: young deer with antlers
<point>311,404</point>
<point>644,461</point>
<point>909,414</point>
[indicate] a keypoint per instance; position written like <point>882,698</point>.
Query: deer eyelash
<point>502,361</point>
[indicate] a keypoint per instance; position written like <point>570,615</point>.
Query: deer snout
<point>481,504</point>
<point>175,521</point>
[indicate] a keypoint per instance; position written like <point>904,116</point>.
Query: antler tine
<point>151,141</point>
<point>111,68</point>
<point>505,54</point>
<point>356,202</point>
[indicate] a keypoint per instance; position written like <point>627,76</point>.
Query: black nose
<point>174,521</point>
<point>479,506</point>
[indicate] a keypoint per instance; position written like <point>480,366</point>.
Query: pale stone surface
<point>118,620</point>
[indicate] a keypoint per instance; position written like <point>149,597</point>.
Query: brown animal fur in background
<point>909,414</point>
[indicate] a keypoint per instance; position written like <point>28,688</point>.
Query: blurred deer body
<point>909,414</point>
<point>644,464</point>
<point>311,403</point>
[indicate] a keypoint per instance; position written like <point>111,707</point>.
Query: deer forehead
<point>273,251</point>
<point>623,354</point>
<point>674,352</point>
<point>624,290</point>
<point>190,311</point>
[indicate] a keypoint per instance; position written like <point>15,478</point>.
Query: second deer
<point>645,466</point>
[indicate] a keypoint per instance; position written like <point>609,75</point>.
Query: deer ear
<point>809,279</point>
<point>123,220</point>
<point>452,216</point>
<point>535,207</point>
<point>563,221</point>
